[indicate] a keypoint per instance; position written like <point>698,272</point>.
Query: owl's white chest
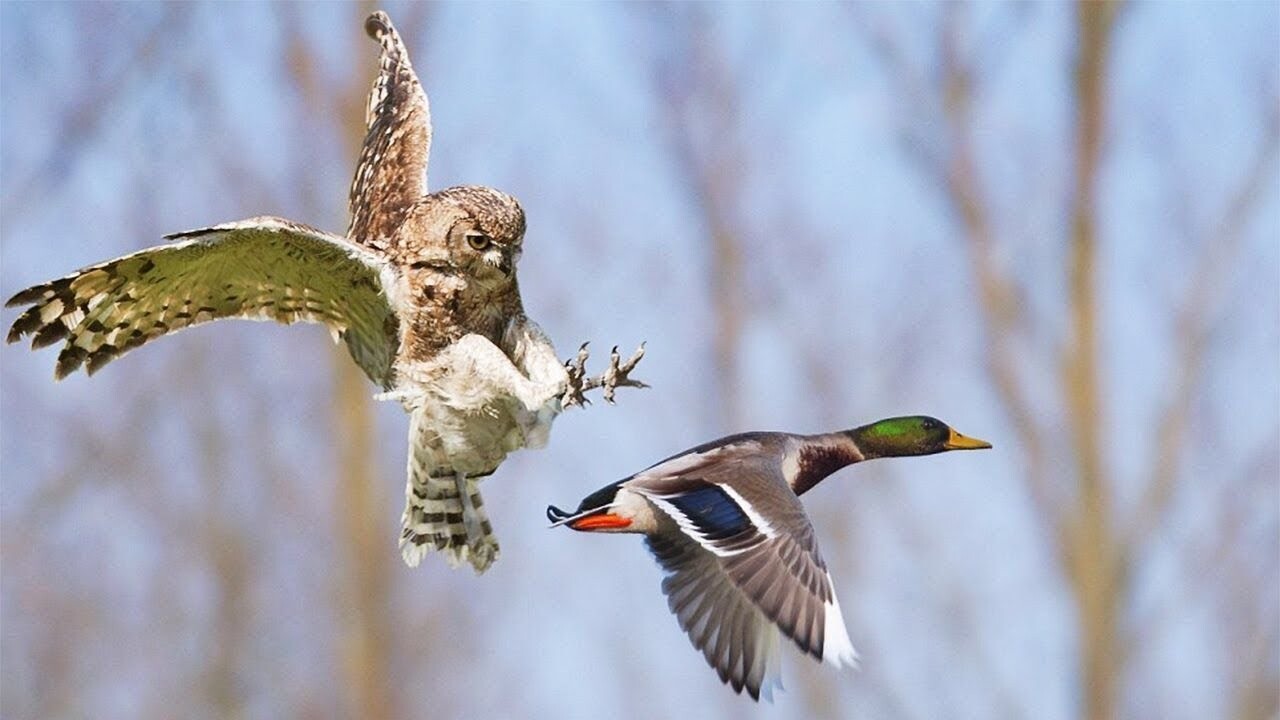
<point>478,405</point>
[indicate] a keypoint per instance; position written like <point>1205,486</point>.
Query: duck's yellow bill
<point>961,442</point>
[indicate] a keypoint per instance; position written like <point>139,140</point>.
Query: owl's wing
<point>392,173</point>
<point>263,268</point>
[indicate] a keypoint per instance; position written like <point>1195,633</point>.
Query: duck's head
<point>911,435</point>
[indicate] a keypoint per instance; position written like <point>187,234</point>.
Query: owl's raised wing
<point>392,173</point>
<point>263,268</point>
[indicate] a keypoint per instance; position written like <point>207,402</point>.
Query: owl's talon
<point>576,369</point>
<point>573,395</point>
<point>617,375</point>
<point>614,377</point>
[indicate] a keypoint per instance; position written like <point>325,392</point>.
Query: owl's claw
<point>618,375</point>
<point>615,376</point>
<point>578,382</point>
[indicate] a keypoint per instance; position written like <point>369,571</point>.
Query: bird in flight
<point>724,521</point>
<point>422,290</point>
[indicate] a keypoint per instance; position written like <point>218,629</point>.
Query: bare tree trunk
<point>364,576</point>
<point>369,551</point>
<point>227,557</point>
<point>1092,554</point>
<point>1082,526</point>
<point>725,279</point>
<point>701,94</point>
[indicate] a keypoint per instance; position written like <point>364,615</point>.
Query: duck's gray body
<point>742,561</point>
<point>724,520</point>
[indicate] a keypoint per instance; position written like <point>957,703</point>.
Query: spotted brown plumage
<point>742,563</point>
<point>263,268</point>
<point>391,174</point>
<point>422,290</point>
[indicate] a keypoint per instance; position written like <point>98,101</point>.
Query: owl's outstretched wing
<point>263,268</point>
<point>392,173</point>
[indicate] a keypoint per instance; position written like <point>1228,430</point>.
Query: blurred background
<point>1053,226</point>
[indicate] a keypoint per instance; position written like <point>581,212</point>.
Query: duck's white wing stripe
<point>689,528</point>
<point>710,513</point>
<point>761,524</point>
<point>837,650</point>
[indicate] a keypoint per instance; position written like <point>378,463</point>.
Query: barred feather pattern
<point>469,407</point>
<point>263,268</point>
<point>391,175</point>
<point>443,507</point>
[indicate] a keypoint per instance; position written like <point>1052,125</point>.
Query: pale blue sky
<point>853,258</point>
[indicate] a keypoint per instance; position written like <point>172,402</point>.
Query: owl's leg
<point>471,375</point>
<point>443,508</point>
<point>433,519</point>
<point>482,544</point>
<point>395,396</point>
<point>434,513</point>
<point>488,374</point>
<point>617,375</point>
<point>446,513</point>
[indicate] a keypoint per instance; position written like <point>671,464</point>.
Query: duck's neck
<point>820,455</point>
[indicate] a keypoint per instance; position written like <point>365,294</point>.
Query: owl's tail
<point>443,509</point>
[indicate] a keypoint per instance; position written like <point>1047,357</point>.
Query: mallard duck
<point>724,521</point>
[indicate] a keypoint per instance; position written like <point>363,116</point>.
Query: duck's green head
<point>912,435</point>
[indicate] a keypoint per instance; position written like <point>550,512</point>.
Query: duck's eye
<point>478,240</point>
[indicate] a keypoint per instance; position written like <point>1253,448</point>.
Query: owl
<point>422,290</point>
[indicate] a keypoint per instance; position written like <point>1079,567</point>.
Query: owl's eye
<point>478,240</point>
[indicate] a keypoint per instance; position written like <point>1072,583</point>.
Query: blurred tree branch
<point>364,577</point>
<point>703,110</point>
<point>947,152</point>
<point>1220,248</point>
<point>1095,550</point>
<point>1092,553</point>
<point>80,124</point>
<point>701,119</point>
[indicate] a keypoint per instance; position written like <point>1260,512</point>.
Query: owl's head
<point>483,230</point>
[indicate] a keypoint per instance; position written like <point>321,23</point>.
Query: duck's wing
<point>391,175</point>
<point>263,268</point>
<point>741,539</point>
<point>722,622</point>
